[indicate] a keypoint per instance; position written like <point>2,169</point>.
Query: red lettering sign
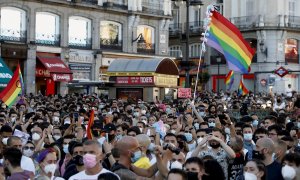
<point>184,93</point>
<point>132,80</point>
<point>40,72</point>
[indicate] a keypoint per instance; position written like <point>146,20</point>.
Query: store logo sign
<point>55,65</point>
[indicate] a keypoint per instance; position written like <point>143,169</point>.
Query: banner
<point>184,92</point>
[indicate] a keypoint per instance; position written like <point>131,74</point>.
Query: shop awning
<point>5,74</point>
<point>59,71</point>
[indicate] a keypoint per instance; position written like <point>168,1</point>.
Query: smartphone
<point>75,116</point>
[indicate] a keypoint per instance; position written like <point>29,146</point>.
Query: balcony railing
<point>90,1</point>
<point>196,27</point>
<point>245,21</point>
<point>13,35</point>
<point>146,48</point>
<point>112,44</point>
<point>78,43</point>
<point>153,7</point>
<point>119,4</point>
<point>293,21</point>
<point>175,29</point>
<point>47,39</point>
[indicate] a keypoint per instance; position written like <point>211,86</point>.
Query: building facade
<point>62,45</point>
<point>272,28</point>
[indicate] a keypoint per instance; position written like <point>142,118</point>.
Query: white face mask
<point>13,119</point>
<point>36,136</point>
<point>173,131</point>
<point>56,137</point>
<point>66,148</point>
<point>50,168</point>
<point>288,172</point>
<point>143,112</point>
<point>248,136</point>
<point>192,146</point>
<point>28,152</point>
<point>227,130</point>
<point>136,114</point>
<point>249,176</point>
<point>4,141</point>
<point>199,141</point>
<point>174,165</point>
<point>211,124</point>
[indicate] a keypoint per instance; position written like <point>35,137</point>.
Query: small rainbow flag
<point>228,40</point>
<point>90,124</point>
<point>229,79</point>
<point>242,91</point>
<point>15,87</point>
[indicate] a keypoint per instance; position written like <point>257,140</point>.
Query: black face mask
<point>129,111</point>
<point>214,145</point>
<point>278,100</point>
<point>258,155</point>
<point>192,175</point>
<point>95,133</point>
<point>111,137</point>
<point>180,144</point>
<point>78,160</point>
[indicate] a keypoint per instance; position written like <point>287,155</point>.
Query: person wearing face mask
<point>92,161</point>
<point>254,170</point>
<point>76,164</point>
<point>189,133</point>
<point>110,129</point>
<point>248,143</point>
<point>291,166</point>
<point>219,149</point>
<point>235,166</point>
<point>5,133</point>
<point>28,149</point>
<point>47,163</point>
<point>264,151</point>
<point>12,164</point>
<point>66,156</point>
<point>144,142</point>
<point>194,167</point>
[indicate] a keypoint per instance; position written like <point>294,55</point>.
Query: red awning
<point>59,71</point>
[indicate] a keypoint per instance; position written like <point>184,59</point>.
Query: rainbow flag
<point>15,87</point>
<point>90,124</point>
<point>228,40</point>
<point>242,91</point>
<point>229,79</point>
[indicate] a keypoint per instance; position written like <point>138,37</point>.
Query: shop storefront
<point>50,72</point>
<point>143,79</point>
<point>5,74</point>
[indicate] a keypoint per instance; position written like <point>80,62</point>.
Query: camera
<point>171,148</point>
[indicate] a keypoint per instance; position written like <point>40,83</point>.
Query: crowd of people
<point>50,137</point>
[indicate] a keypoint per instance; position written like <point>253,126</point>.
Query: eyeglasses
<point>29,147</point>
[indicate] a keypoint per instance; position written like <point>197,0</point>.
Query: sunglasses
<point>27,147</point>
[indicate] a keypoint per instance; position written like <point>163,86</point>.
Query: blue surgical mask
<point>136,156</point>
<point>255,123</point>
<point>118,137</point>
<point>66,148</point>
<point>202,113</point>
<point>196,125</point>
<point>188,136</point>
<point>151,147</point>
<point>212,124</point>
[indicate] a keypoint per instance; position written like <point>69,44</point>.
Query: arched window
<point>195,50</point>
<point>175,51</point>
<point>13,24</point>
<point>148,35</point>
<point>292,51</point>
<point>80,32</point>
<point>47,29</point>
<point>110,35</point>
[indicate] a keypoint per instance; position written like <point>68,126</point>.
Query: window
<point>292,5</point>
<point>13,24</point>
<point>253,45</point>
<point>148,34</point>
<point>175,14</point>
<point>175,51</point>
<point>79,32</point>
<point>249,8</point>
<point>47,28</point>
<point>219,6</point>
<point>291,51</point>
<point>110,34</point>
<point>195,50</point>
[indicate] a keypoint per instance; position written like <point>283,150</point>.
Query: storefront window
<point>79,32</point>
<point>148,34</point>
<point>110,34</point>
<point>291,51</point>
<point>47,28</point>
<point>13,24</point>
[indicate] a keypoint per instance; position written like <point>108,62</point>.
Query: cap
<point>97,124</point>
<point>109,127</point>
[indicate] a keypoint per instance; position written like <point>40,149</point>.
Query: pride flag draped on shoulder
<point>242,91</point>
<point>229,79</point>
<point>15,87</point>
<point>90,124</point>
<point>228,40</point>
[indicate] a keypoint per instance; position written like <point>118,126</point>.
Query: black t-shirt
<point>70,171</point>
<point>274,171</point>
<point>235,167</point>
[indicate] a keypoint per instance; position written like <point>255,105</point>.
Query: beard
<point>214,144</point>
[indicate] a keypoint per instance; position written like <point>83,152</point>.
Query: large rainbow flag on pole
<point>15,87</point>
<point>229,79</point>
<point>90,124</point>
<point>242,91</point>
<point>228,40</point>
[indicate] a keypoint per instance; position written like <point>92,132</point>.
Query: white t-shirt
<point>27,164</point>
<point>83,176</point>
<point>289,92</point>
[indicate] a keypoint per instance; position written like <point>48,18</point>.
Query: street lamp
<point>187,34</point>
<point>219,61</point>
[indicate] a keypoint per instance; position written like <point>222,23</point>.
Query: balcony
<point>111,44</point>
<point>196,27</point>
<point>175,29</point>
<point>47,39</point>
<point>13,35</point>
<point>78,43</point>
<point>244,22</point>
<point>118,4</point>
<point>293,21</point>
<point>154,7</point>
<point>90,1</point>
<point>146,48</point>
